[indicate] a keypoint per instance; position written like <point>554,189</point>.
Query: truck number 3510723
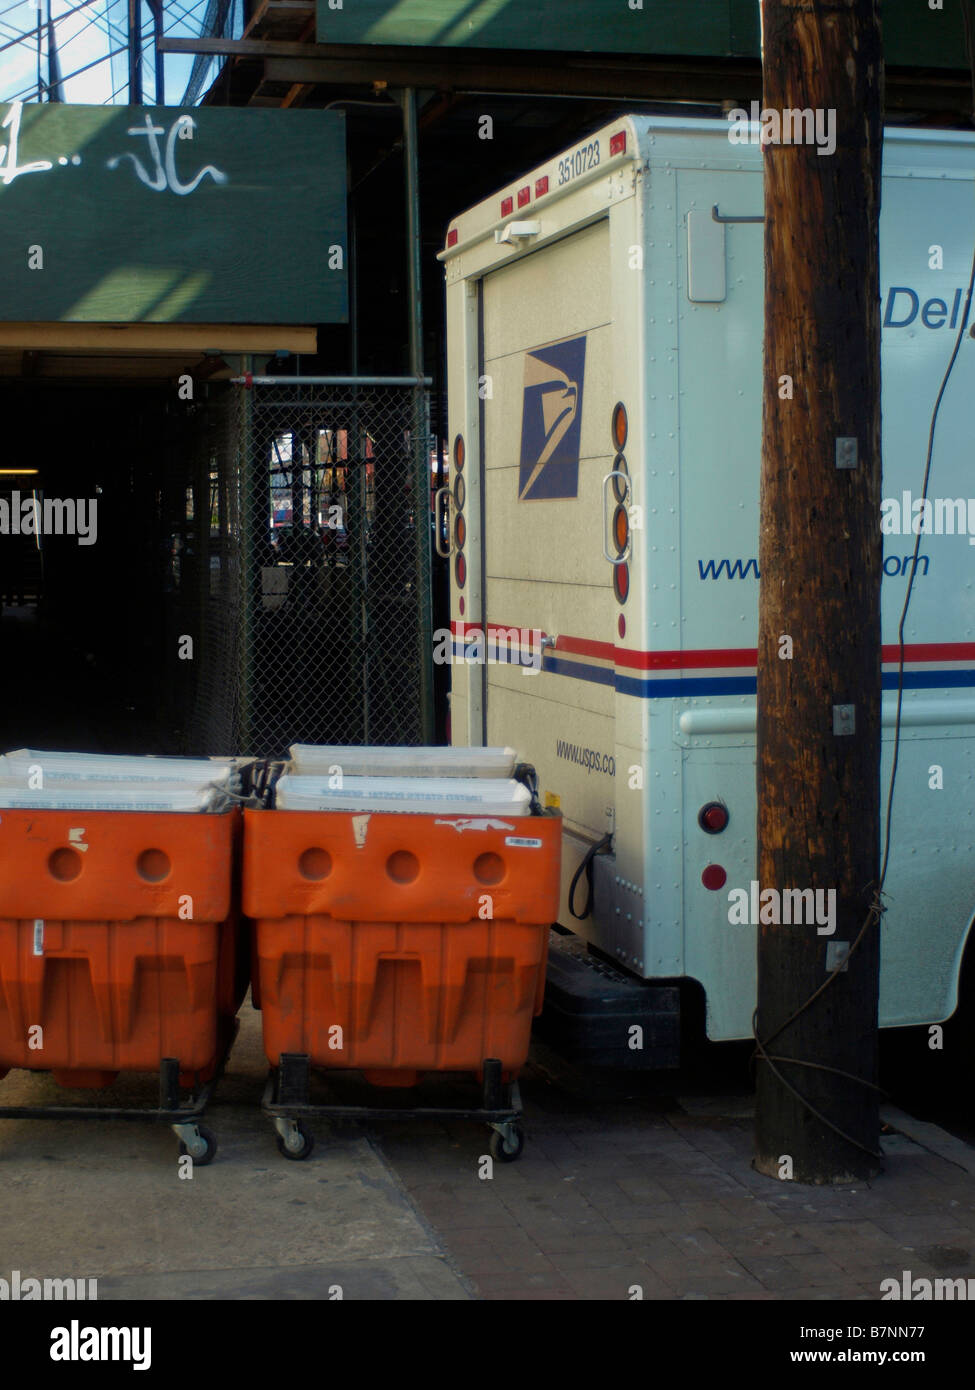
<point>579,162</point>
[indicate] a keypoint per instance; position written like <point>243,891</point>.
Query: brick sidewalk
<point>613,1192</point>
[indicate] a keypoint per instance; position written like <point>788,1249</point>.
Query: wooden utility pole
<point>820,558</point>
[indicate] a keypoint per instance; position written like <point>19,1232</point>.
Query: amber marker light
<point>620,426</point>
<point>621,529</point>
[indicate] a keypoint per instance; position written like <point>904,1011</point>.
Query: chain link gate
<point>333,621</point>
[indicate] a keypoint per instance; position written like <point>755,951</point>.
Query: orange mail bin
<point>94,949</point>
<point>395,944</point>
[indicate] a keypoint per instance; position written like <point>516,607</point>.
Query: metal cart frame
<point>286,1103</point>
<point>182,1116</point>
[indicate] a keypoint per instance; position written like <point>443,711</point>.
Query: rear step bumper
<point>595,1014</point>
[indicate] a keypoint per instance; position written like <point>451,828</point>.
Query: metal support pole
<point>413,265</point>
<point>135,52</point>
<point>420,422</point>
<point>353,269</point>
<point>248,581</point>
<point>54,91</point>
<point>160,58</point>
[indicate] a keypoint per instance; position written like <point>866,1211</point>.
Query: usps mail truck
<point>604,322</point>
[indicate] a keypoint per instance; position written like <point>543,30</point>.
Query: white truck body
<point>603,277</point>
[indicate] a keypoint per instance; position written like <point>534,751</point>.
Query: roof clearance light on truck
<point>617,143</point>
<point>541,186</point>
<point>620,426</point>
<point>713,817</point>
<point>524,195</point>
<point>507,206</point>
<point>452,237</point>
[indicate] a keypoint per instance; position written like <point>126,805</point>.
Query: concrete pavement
<point>626,1189</point>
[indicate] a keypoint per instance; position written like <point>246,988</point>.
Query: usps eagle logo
<point>551,420</point>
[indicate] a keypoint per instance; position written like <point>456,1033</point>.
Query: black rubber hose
<point>586,868</point>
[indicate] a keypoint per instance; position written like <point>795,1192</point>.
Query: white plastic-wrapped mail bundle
<point>318,760</point>
<point>51,781</point>
<point>109,796</point>
<point>450,796</point>
<point>30,767</point>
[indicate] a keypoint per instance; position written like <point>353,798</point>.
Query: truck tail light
<point>713,817</point>
<point>621,582</point>
<point>620,426</point>
<point>460,453</point>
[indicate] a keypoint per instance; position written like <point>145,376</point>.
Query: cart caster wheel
<point>298,1144</point>
<point>202,1149</point>
<point>507,1147</point>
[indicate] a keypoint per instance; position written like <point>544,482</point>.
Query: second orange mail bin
<point>395,944</point>
<point>118,937</point>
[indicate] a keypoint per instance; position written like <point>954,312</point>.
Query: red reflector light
<point>621,625</point>
<point>460,571</point>
<point>621,582</point>
<point>541,186</point>
<point>452,237</point>
<point>713,817</point>
<point>714,877</point>
<point>617,143</point>
<point>507,206</point>
<point>524,195</point>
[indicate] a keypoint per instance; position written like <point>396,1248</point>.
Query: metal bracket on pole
<point>844,719</point>
<point>837,957</point>
<point>846,451</point>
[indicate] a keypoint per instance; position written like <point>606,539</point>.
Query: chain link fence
<point>312,609</point>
